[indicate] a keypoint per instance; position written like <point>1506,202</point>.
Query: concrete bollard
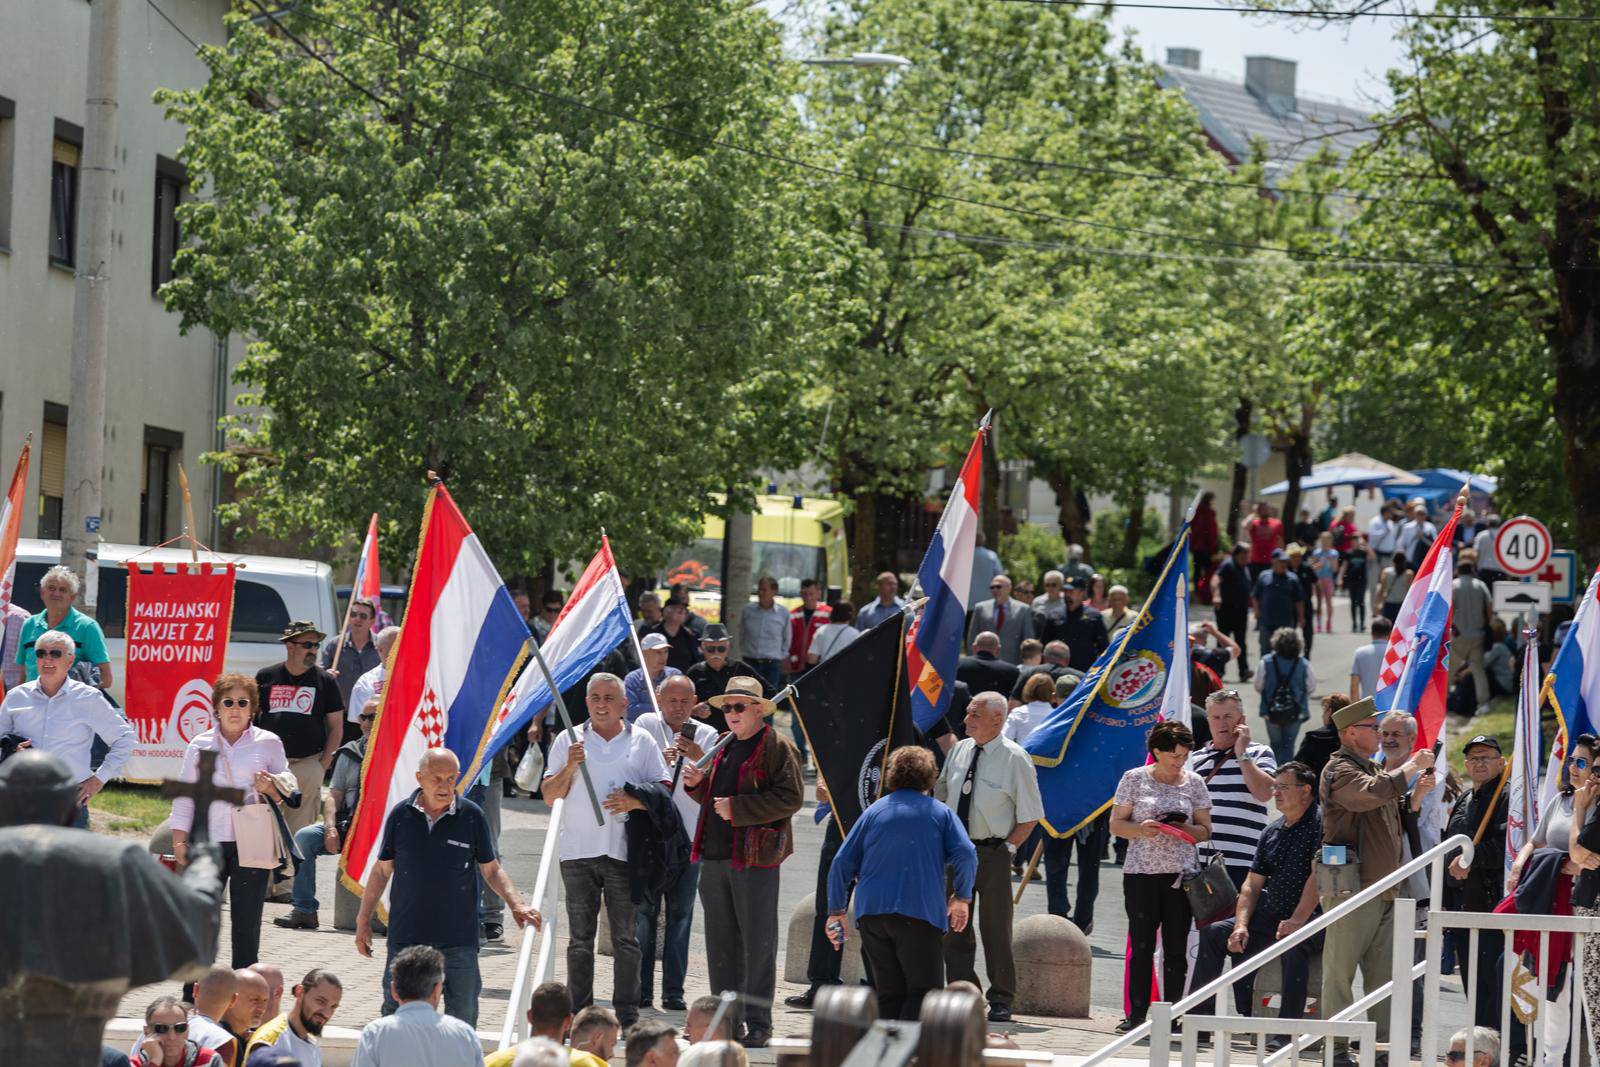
<point>1055,957</point>
<point>797,950</point>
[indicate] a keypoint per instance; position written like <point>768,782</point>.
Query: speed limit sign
<point>1522,545</point>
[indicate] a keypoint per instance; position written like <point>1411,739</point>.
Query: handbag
<point>1211,892</point>
<point>255,836</point>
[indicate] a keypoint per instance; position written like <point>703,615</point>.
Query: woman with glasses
<point>248,758</point>
<point>166,1041</point>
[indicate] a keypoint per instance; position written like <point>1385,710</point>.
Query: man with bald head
<point>274,976</point>
<point>985,671</point>
<point>249,1007</point>
<point>990,782</point>
<point>434,846</point>
<point>213,996</point>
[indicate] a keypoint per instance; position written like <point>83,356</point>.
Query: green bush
<point>1031,551</point>
<point>1105,539</point>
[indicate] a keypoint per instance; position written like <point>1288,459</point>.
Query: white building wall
<point>155,377</point>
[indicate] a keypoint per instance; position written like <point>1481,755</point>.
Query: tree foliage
<point>532,245</point>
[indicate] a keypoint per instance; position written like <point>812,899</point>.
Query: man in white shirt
<point>679,736</point>
<point>370,684</point>
<point>1382,529</point>
<point>594,854</point>
<point>1415,529</point>
<point>417,1035</point>
<point>63,716</point>
<point>1367,663</point>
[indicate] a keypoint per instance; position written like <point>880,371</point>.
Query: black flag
<point>854,710</point>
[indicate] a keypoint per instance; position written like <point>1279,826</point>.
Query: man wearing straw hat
<point>746,797</point>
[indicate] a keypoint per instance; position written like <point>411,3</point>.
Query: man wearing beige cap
<point>301,703</point>
<point>1361,819</point>
<point>746,798</point>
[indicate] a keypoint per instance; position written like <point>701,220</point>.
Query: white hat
<point>652,642</point>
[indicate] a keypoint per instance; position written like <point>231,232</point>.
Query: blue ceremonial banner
<point>1082,748</point>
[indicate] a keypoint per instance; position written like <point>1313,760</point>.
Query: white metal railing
<point>533,968</point>
<point>1158,1028</point>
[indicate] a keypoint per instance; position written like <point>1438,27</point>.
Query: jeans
<point>1058,860</point>
<point>769,671</point>
<point>1296,966</point>
<point>679,898</point>
<point>247,894</point>
<point>462,982</point>
<point>589,883</point>
<point>491,909</point>
<point>1282,738</point>
<point>1358,604</point>
<point>80,821</point>
<point>311,841</point>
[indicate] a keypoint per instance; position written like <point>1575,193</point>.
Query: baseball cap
<point>651,642</point>
<point>1279,553</point>
<point>1078,582</point>
<point>1486,741</point>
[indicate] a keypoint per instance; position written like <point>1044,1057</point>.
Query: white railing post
<point>1405,954</point>
<point>1433,954</point>
<point>1161,1034</point>
<point>529,973</point>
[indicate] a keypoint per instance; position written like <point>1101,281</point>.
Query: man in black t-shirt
<point>1230,592</point>
<point>300,702</point>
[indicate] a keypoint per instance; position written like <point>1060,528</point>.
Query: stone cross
<point>205,793</point>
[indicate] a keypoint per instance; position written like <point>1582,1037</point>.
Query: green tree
<point>534,246</point>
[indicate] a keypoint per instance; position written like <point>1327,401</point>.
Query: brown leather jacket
<point>1359,809</point>
<point>770,791</point>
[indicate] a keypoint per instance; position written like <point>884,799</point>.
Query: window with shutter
<point>52,477</point>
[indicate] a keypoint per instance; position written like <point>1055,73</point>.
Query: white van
<point>269,592</point>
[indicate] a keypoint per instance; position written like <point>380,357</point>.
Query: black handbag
<point>1211,892</point>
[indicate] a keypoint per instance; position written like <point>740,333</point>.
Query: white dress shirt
<point>65,725</point>
<point>416,1035</point>
<point>630,758</point>
<point>237,765</point>
<point>367,686</point>
<point>705,736</point>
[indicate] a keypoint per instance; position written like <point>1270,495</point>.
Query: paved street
<point>523,834</point>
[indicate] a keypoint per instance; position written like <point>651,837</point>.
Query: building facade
<point>164,392</point>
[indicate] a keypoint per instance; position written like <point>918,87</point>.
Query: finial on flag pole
<point>983,423</point>
<point>434,479</point>
<point>1194,505</point>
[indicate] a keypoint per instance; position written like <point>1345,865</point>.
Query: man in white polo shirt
<point>594,855</point>
<point>679,736</point>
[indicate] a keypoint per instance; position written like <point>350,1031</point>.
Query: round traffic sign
<point>1522,545</point>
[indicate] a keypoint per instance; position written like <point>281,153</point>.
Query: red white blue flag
<point>594,620</point>
<point>933,643</point>
<point>458,653</point>
<point>366,583</point>
<point>1415,675</point>
<point>1573,684</point>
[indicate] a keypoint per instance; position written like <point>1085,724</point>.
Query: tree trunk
<point>1074,529</point>
<point>739,555</point>
<point>1298,464</point>
<point>1577,405</point>
<point>862,527</point>
<point>1241,473</point>
<point>1135,528</point>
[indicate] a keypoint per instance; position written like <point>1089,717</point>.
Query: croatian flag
<point>1415,672</point>
<point>11,526</point>
<point>933,643</point>
<point>460,650</point>
<point>594,620</point>
<point>1525,806</point>
<point>366,583</point>
<point>1573,684</point>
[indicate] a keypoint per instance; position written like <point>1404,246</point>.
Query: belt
<point>753,660</point>
<point>990,842</point>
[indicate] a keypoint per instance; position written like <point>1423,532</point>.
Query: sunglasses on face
<point>736,706</point>
<point>234,702</point>
<point>174,1028</point>
<point>715,648</point>
<point>997,586</point>
<point>367,718</point>
<point>1579,763</point>
<point>305,644</point>
<point>50,653</point>
<point>360,616</point>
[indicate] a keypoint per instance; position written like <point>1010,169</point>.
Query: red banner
<point>177,629</point>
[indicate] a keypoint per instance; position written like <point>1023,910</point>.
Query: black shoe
<point>297,920</point>
<point>1276,1042</point>
<point>494,932</point>
<point>999,1013</point>
<point>802,1000</point>
<point>755,1039</point>
<point>1129,1025</point>
<point>628,1020</point>
<point>673,1004</point>
<point>1344,1059</point>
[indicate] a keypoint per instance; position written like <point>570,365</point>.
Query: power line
<point>1084,168</point>
<point>777,157</point>
<point>176,28</point>
<point>1327,16</point>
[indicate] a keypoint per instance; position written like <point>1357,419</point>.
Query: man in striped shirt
<point>1238,774</point>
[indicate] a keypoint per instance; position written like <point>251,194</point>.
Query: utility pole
<point>91,306</point>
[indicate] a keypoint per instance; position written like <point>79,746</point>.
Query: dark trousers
<point>1155,907</point>
<point>1489,966</point>
<point>907,962</point>
<point>679,900</point>
<point>247,893</point>
<point>1358,604</point>
<point>463,983</point>
<point>992,916</point>
<point>1058,860</point>
<point>1236,624</point>
<point>588,884</point>
<point>823,965</point>
<point>1296,966</point>
<point>742,936</point>
<point>491,909</point>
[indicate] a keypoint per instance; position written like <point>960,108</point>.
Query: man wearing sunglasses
<point>166,1041</point>
<point>63,716</point>
<point>358,656</point>
<point>711,675</point>
<point>302,704</point>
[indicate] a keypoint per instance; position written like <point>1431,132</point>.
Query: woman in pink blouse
<point>247,758</point>
<point>1162,808</point>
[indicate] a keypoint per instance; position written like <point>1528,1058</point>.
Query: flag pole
<point>1027,875</point>
<point>188,516</point>
<point>566,724</point>
<point>344,627</point>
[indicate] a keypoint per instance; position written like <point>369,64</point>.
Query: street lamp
<point>859,60</point>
